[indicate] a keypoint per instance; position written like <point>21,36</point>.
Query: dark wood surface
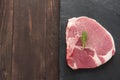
<point>29,39</point>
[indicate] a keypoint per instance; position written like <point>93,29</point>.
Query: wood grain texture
<point>29,32</point>
<point>52,32</point>
<point>35,40</point>
<point>6,20</point>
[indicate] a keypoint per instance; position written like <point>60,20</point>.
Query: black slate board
<point>107,13</point>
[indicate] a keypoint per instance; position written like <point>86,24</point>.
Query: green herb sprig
<point>84,39</point>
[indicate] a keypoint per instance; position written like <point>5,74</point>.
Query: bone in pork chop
<point>99,46</point>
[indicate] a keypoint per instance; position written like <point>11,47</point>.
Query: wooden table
<point>29,39</point>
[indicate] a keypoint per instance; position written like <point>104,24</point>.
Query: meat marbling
<point>99,47</point>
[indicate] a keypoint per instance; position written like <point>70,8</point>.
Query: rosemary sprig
<point>84,39</point>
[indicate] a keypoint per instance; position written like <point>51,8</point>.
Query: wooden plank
<point>52,44</point>
<point>29,50</point>
<point>6,20</point>
<point>35,40</point>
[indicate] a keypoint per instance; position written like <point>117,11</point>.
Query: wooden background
<point>29,33</point>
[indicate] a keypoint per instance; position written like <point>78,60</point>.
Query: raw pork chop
<point>99,45</point>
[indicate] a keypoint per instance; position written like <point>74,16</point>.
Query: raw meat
<point>99,45</point>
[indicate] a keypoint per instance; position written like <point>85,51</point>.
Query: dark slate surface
<point>107,13</point>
